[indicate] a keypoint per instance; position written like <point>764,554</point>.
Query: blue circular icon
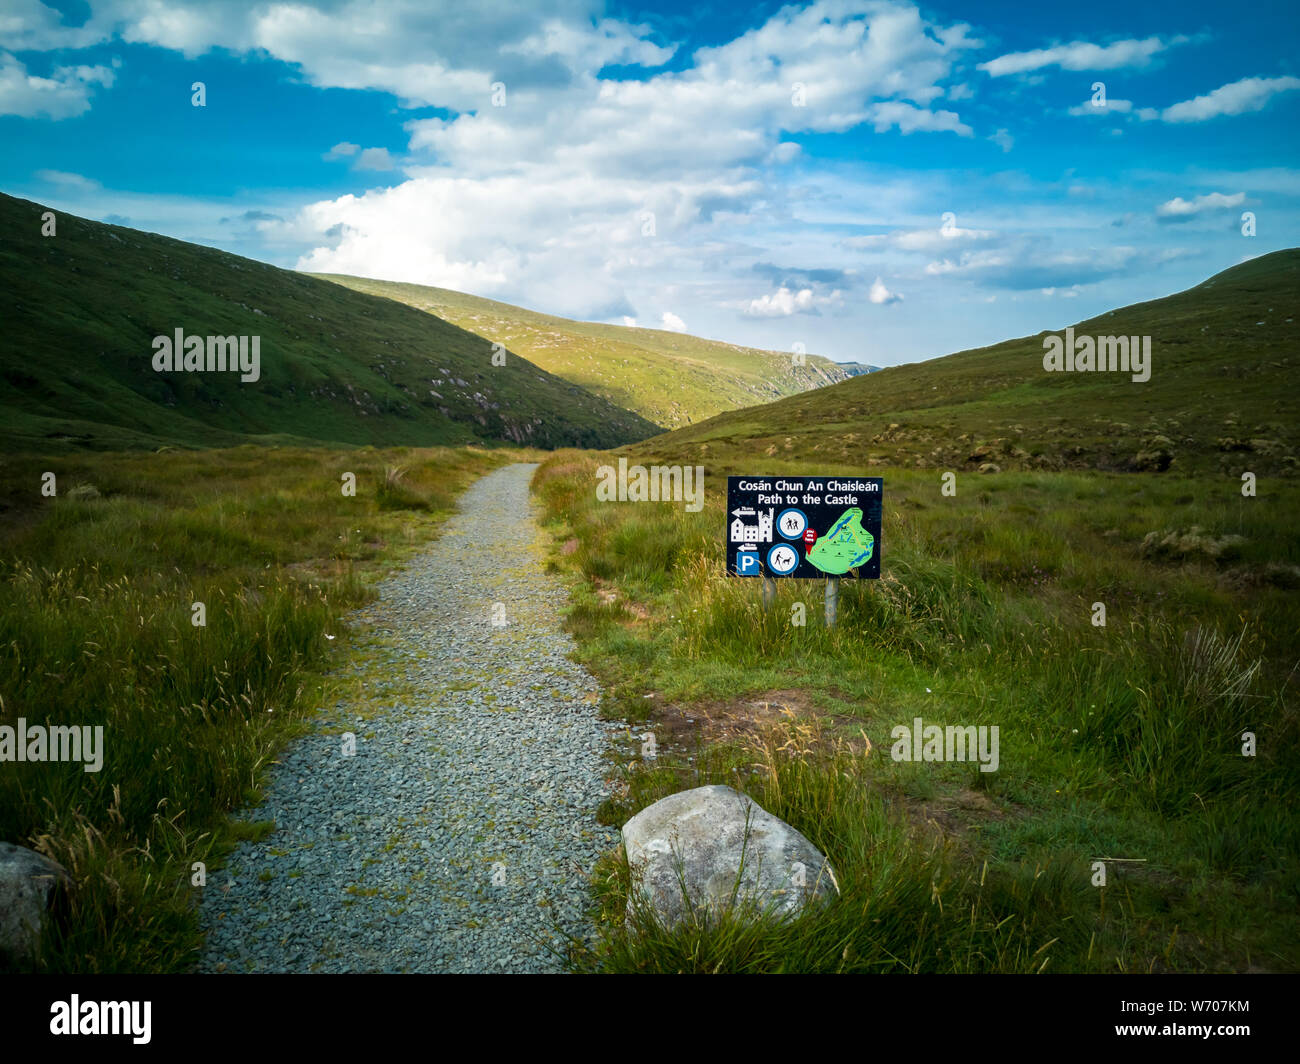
<point>783,559</point>
<point>791,523</point>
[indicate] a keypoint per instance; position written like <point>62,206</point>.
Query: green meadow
<point>1123,742</point>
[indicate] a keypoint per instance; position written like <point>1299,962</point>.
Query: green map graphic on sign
<point>846,546</point>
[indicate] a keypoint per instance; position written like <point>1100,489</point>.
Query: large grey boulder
<point>685,856</point>
<point>27,883</point>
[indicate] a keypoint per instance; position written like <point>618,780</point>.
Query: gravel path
<point>461,832</point>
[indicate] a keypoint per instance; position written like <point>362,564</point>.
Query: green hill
<point>80,310</point>
<point>670,378</point>
<point>1221,397</point>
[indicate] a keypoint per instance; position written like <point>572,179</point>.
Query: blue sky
<point>877,181</point>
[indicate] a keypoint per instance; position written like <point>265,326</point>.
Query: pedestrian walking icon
<point>791,523</point>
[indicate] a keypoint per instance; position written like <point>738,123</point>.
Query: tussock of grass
<point>1192,542</point>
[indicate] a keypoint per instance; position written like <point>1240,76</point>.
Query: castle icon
<point>759,532</point>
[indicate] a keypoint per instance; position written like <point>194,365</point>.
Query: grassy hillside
<point>670,378</point>
<point>1221,397</point>
<point>81,309</point>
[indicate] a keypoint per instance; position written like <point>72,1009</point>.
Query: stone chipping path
<point>460,834</point>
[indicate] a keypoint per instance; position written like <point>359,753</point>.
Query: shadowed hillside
<point>81,309</point>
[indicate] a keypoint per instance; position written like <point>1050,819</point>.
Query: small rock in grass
<point>696,839</point>
<point>28,883</point>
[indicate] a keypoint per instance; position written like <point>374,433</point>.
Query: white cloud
<point>1238,97</point>
<point>31,26</point>
<point>68,181</point>
<point>860,61</point>
<point>191,29</point>
<point>540,201</point>
<point>911,119</point>
<point>1181,209</point>
<point>1082,55</point>
<point>375,159</point>
<point>925,240</point>
<point>1111,106</point>
<point>427,54</point>
<point>781,303</point>
<point>786,151</point>
<point>730,108</point>
<point>881,295</point>
<point>1030,263</point>
<point>65,94</point>
<point>594,47</point>
<point>504,235</point>
<point>1235,98</point>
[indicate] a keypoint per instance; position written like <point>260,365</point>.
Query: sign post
<point>804,528</point>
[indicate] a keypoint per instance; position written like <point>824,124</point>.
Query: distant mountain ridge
<point>670,378</point>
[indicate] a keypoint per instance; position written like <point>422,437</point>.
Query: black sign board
<point>804,527</point>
